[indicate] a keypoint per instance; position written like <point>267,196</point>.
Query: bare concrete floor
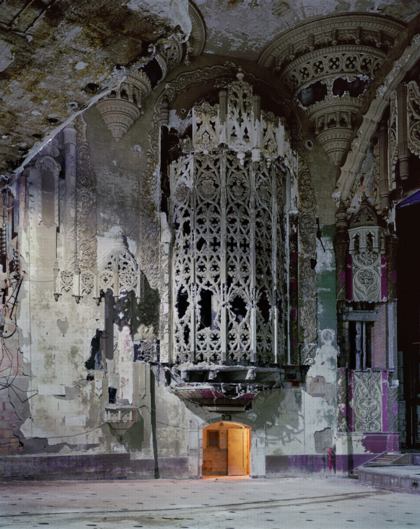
<point>283,503</point>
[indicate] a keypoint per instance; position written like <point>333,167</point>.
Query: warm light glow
<point>226,447</point>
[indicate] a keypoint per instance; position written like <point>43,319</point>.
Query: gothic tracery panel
<point>238,244</point>
<point>367,401</point>
<point>225,271</point>
<point>207,255</point>
<point>182,263</point>
<point>227,214</point>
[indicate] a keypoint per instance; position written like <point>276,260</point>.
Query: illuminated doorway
<point>226,447</point>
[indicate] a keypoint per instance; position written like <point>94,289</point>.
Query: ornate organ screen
<point>228,262</point>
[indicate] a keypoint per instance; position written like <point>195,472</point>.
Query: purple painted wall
<point>381,442</point>
<point>384,278</point>
<point>314,463</point>
<point>379,339</point>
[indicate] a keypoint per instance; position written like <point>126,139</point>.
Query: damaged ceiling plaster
<point>247,26</point>
<point>58,57</point>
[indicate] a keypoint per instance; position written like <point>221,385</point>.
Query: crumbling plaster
<point>66,403</point>
<point>54,59</point>
<point>66,407</point>
<point>247,26</point>
<point>66,410</point>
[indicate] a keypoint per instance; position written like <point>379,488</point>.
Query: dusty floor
<point>292,503</point>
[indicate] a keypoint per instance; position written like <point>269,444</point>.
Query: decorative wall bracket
<point>123,106</point>
<point>120,417</point>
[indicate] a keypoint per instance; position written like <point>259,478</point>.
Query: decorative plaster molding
<point>413,117</point>
<point>122,107</point>
<point>328,64</point>
<point>374,31</point>
<point>384,93</point>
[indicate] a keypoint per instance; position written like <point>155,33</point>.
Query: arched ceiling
<point>242,28</point>
<point>57,56</point>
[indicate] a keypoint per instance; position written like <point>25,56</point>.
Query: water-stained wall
<point>94,313</point>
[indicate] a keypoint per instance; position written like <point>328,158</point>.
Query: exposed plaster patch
<point>75,420</point>
<point>63,325</point>
<point>80,65</point>
<point>51,389</point>
<point>177,122</point>
<point>323,440</point>
<point>174,12</point>
<point>245,28</point>
<point>324,256</point>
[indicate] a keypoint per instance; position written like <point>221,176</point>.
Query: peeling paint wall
<point>76,384</point>
<point>92,350</point>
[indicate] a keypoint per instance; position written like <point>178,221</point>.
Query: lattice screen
<point>227,207</point>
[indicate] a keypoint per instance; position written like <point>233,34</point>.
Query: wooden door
<point>236,452</point>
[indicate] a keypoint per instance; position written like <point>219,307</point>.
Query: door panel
<point>236,452</point>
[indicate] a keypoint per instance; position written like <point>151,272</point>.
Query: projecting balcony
<point>225,388</point>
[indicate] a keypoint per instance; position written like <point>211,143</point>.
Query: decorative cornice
<point>327,62</point>
<point>374,31</point>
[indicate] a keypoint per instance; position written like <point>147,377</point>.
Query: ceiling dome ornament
<point>122,107</point>
<point>328,65</point>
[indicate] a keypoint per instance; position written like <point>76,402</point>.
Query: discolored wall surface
<point>88,260</point>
